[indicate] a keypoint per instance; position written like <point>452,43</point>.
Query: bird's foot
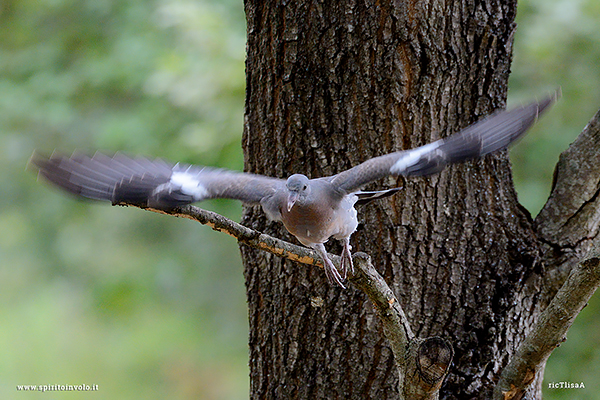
<point>333,276</point>
<point>346,262</point>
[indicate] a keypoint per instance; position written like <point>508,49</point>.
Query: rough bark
<point>550,330</point>
<point>330,84</point>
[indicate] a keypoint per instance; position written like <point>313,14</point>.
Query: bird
<point>312,210</point>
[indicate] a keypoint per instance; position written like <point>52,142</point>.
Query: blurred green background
<point>148,306</point>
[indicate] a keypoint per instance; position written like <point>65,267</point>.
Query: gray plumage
<point>313,210</point>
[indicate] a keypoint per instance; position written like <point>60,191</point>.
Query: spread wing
<point>152,183</point>
<point>491,134</point>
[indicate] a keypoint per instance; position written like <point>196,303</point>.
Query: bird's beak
<point>292,197</point>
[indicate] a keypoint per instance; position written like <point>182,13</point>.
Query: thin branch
<point>422,363</point>
<point>367,279</point>
<point>245,235</point>
<point>551,328</point>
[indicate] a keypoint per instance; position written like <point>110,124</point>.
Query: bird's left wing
<point>493,133</point>
<point>121,179</point>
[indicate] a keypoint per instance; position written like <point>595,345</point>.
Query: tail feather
<point>367,197</point>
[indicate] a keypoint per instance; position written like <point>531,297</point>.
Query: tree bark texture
<point>331,84</point>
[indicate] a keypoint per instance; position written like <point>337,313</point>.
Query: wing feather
<point>496,132</point>
<point>153,183</point>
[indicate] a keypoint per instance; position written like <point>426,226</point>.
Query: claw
<point>333,276</point>
<point>346,259</point>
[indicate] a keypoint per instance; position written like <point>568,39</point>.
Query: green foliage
<point>557,45</point>
<point>147,306</point>
<point>143,305</point>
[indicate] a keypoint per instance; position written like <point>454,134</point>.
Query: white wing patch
<point>411,157</point>
<point>187,184</point>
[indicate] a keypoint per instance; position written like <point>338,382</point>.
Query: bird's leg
<point>346,262</point>
<point>333,276</point>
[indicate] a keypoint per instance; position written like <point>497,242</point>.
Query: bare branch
<point>245,235</point>
<point>570,219</point>
<point>422,363</point>
<point>568,224</point>
<point>551,328</point>
<point>367,279</point>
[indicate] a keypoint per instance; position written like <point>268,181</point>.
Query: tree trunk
<point>332,84</point>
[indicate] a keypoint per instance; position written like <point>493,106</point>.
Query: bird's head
<point>298,186</point>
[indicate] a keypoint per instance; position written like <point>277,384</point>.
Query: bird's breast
<point>317,224</point>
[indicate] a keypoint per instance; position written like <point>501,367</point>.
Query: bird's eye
<point>304,187</point>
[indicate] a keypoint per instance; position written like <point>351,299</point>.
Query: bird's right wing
<point>493,133</point>
<point>152,183</point>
